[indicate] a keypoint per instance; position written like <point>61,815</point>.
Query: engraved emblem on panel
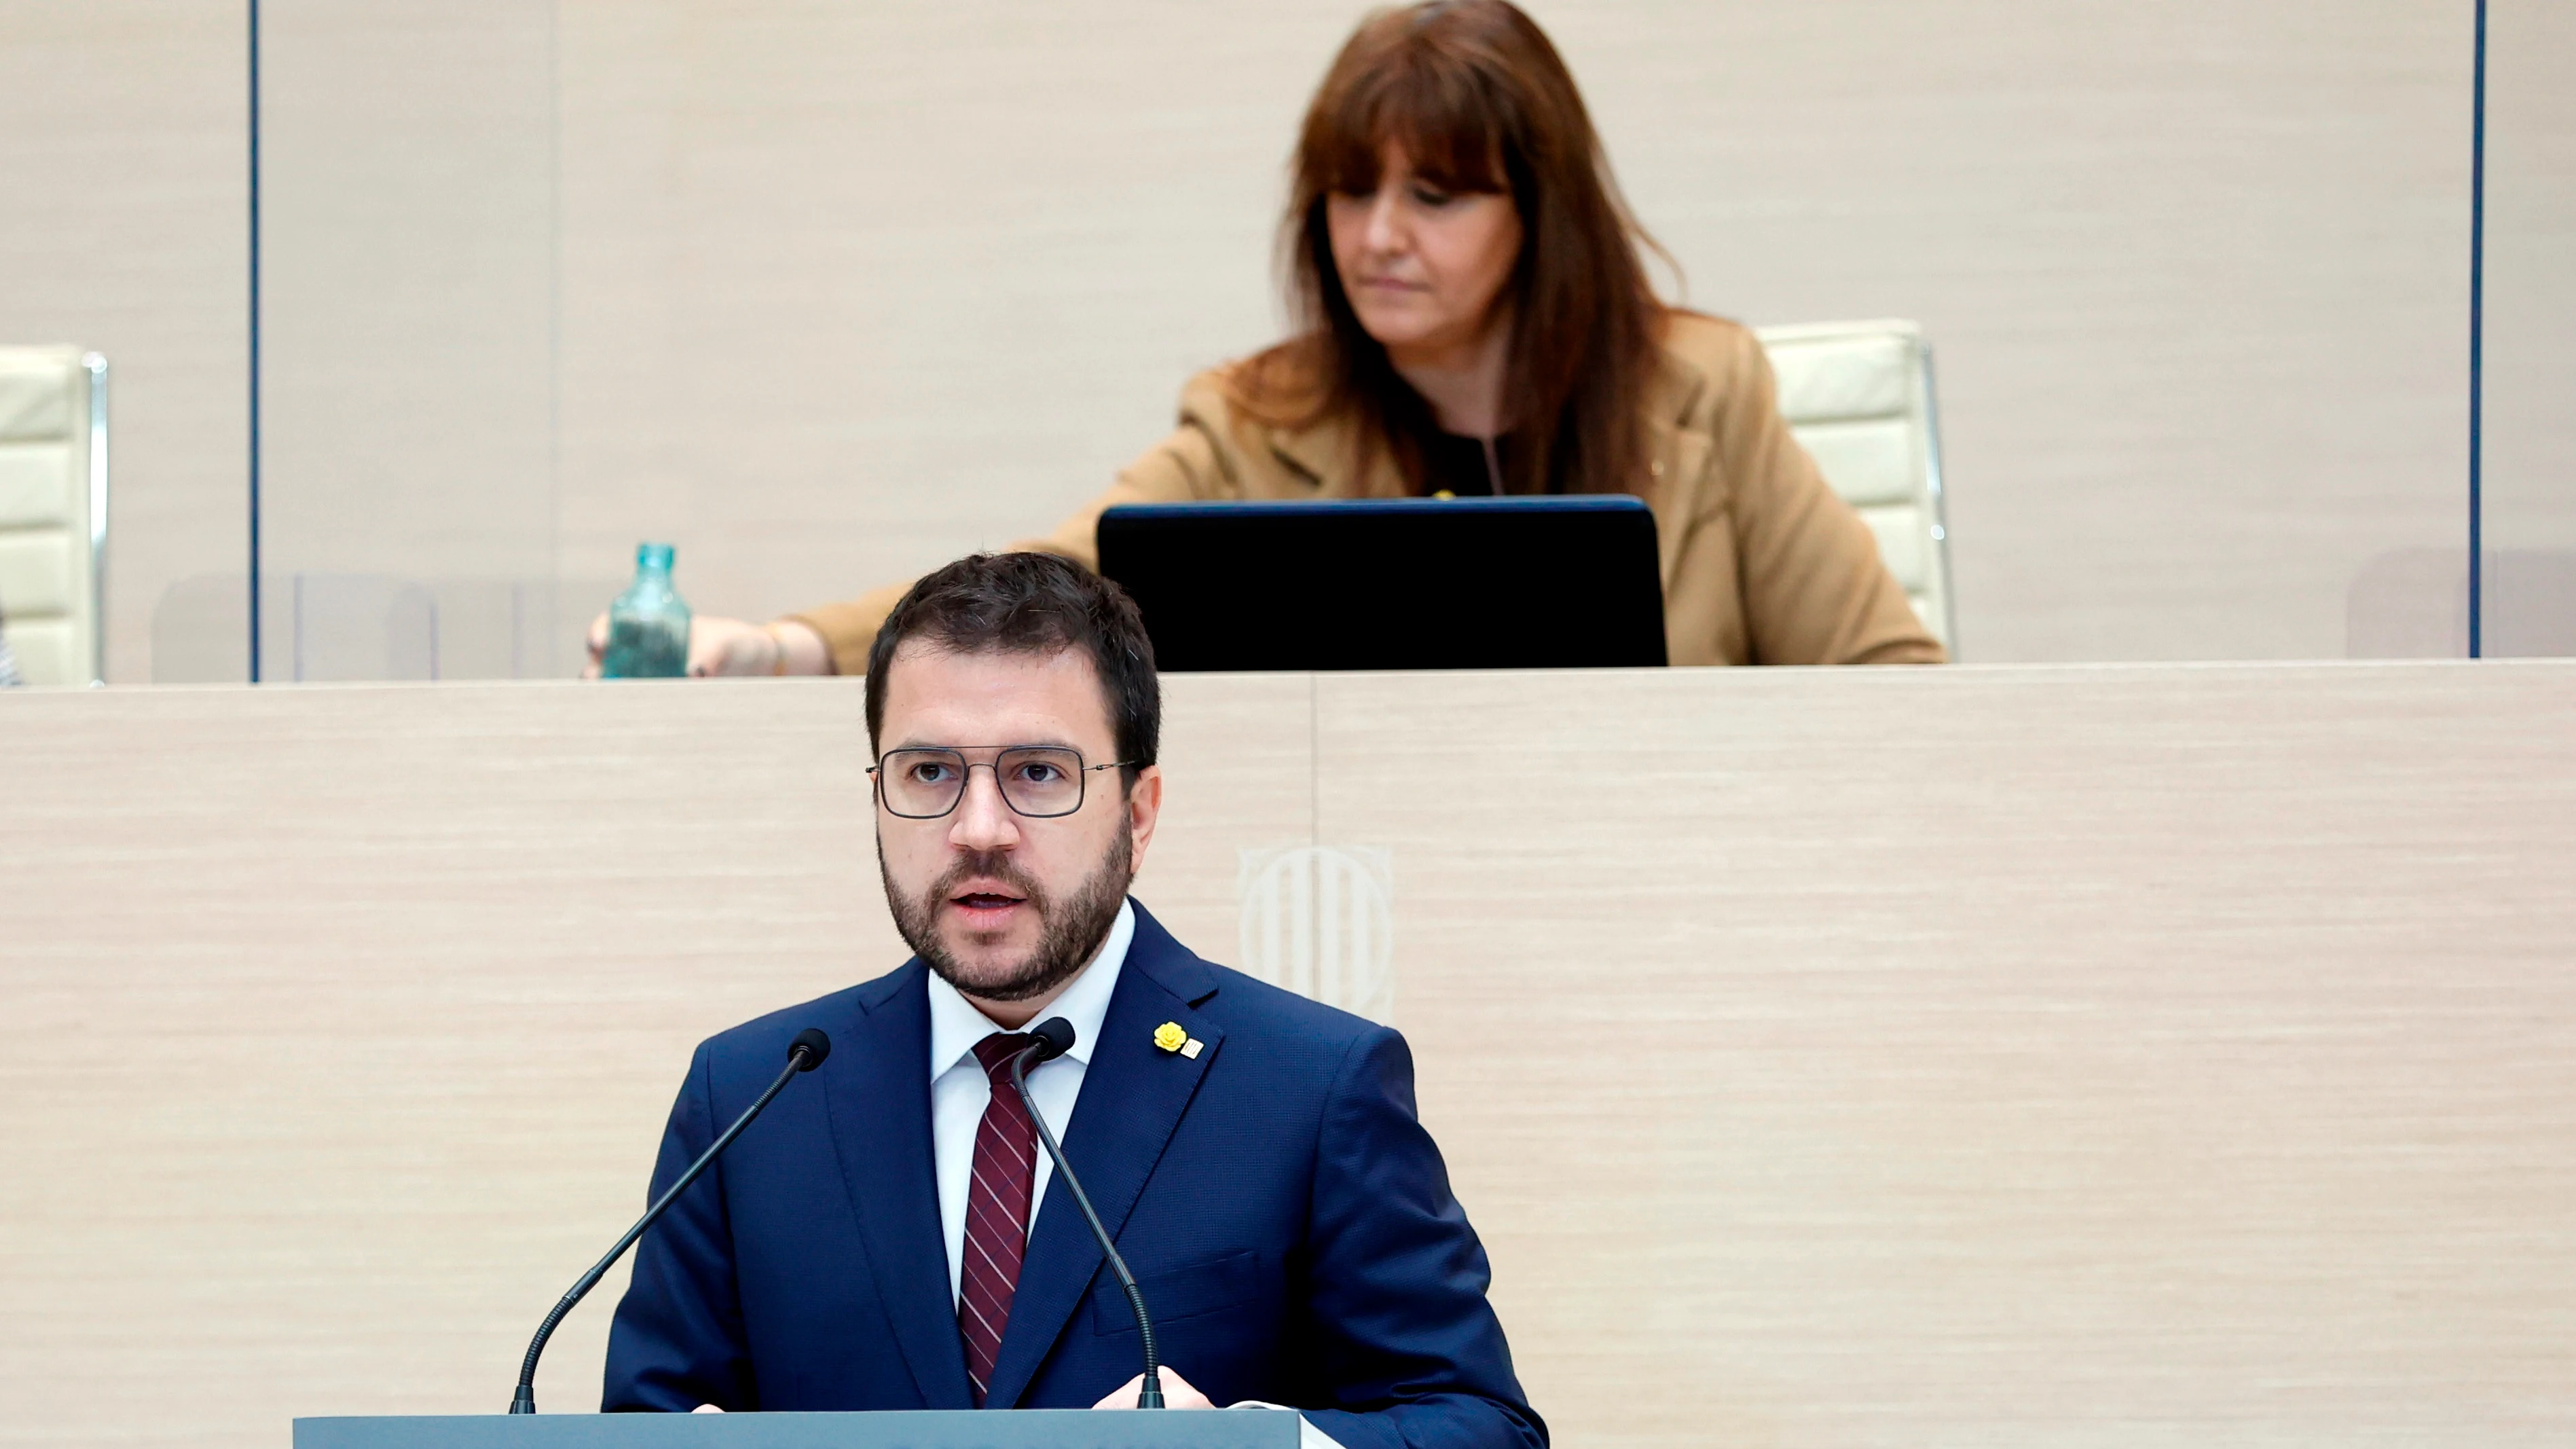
<point>1320,921</point>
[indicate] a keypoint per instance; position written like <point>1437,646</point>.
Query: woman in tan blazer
<point>1478,320</point>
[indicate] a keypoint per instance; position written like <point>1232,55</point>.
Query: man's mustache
<point>991,865</point>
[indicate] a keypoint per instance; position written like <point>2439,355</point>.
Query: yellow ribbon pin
<point>1169,1036</point>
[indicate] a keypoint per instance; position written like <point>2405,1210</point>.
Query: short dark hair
<point>1033,603</point>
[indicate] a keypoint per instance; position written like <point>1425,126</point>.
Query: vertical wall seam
<point>2477,337</point>
<point>254,342</point>
<point>554,347</point>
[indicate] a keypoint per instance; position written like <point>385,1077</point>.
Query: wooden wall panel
<point>2033,1056</point>
<point>409,176</point>
<point>2530,478</point>
<point>336,1025</point>
<point>848,291</point>
<point>341,1023</point>
<point>1997,1056</point>
<point>838,292</point>
<point>1238,773</point>
<point>124,228</point>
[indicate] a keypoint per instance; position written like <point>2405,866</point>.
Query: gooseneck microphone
<point>804,1054</point>
<point>1055,1038</point>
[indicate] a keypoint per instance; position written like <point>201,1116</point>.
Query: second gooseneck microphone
<point>1055,1038</point>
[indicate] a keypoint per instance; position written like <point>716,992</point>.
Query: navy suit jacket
<point>1286,1216</point>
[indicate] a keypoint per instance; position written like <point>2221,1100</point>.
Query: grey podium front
<point>1014,1429</point>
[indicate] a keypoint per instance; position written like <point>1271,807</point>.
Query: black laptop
<point>1398,583</point>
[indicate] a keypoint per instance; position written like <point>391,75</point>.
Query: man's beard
<point>1070,932</point>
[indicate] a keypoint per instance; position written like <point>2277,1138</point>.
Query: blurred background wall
<point>826,293</point>
<point>123,229</point>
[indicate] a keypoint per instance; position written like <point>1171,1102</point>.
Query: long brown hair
<point>1480,102</point>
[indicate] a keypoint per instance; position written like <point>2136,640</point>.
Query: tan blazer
<point>1762,564</point>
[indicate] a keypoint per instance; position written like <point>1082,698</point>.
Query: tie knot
<point>996,1051</point>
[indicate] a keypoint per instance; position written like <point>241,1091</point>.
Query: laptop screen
<point>1398,583</point>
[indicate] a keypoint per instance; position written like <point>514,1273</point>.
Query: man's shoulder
<point>763,1039</point>
<point>1296,1054</point>
<point>1287,1029</point>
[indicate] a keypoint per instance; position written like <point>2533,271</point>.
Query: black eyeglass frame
<point>1083,770</point>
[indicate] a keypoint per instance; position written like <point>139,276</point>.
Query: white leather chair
<point>53,511</point>
<point>1859,397</point>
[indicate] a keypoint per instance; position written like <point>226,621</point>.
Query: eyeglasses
<point>1039,782</point>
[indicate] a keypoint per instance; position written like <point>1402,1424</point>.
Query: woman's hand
<point>1177,1393</point>
<point>720,646</point>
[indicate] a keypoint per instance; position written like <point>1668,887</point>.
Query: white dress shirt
<point>959,1090</point>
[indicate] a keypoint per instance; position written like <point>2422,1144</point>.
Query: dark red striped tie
<point>997,1212</point>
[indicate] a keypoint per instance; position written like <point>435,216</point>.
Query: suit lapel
<point>880,1114</point>
<point>1679,453</point>
<point>1133,1096</point>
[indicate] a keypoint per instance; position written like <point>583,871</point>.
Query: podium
<point>914,1429</point>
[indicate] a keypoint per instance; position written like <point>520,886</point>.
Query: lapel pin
<point>1169,1037</point>
<point>1192,1048</point>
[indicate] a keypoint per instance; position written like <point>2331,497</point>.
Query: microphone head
<point>1054,1038</point>
<point>813,1044</point>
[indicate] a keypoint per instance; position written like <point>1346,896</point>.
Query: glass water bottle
<point>648,626</point>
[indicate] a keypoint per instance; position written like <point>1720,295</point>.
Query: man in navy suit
<point>886,1237</point>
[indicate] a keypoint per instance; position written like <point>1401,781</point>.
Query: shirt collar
<point>955,1024</point>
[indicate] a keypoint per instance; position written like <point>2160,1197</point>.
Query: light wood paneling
<point>2000,1056</point>
<point>336,1024</point>
<point>123,228</point>
<point>848,291</point>
<point>1238,773</point>
<point>409,233</point>
<point>839,292</point>
<point>2530,432</point>
<point>2195,274</point>
<point>340,1023</point>
<point>2030,1056</point>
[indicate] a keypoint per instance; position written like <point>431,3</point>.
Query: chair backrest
<point>53,511</point>
<point>1858,395</point>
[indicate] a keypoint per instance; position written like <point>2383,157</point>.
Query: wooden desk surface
<point>2078,1055</point>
